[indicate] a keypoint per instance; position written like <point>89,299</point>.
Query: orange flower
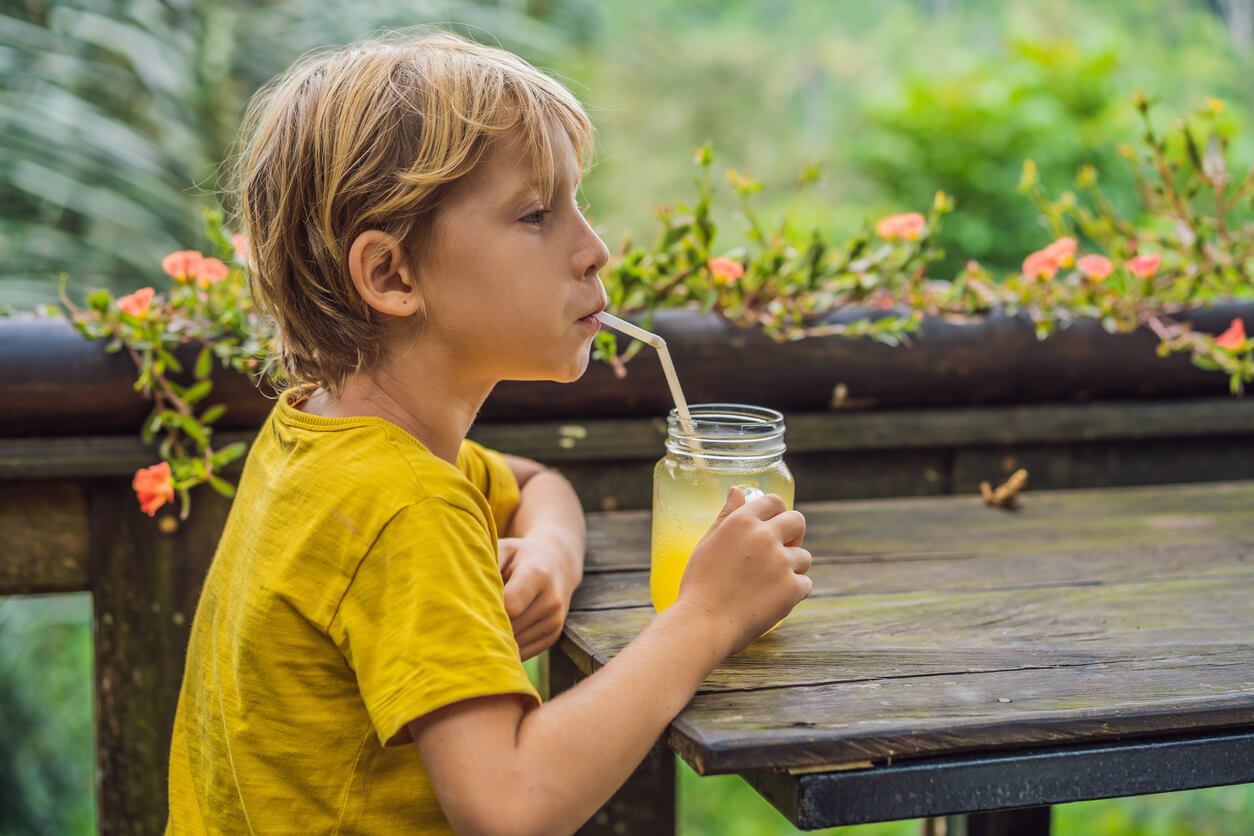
<point>1062,251</point>
<point>1040,265</point>
<point>725,270</point>
<point>136,304</point>
<point>240,243</point>
<point>182,265</point>
<point>904,227</point>
<point>153,487</point>
<point>1234,338</point>
<point>210,271</point>
<point>1143,266</point>
<point>1095,267</point>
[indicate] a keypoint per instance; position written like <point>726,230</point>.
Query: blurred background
<point>114,118</point>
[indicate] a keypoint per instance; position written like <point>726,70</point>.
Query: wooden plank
<point>942,632</point>
<point>1047,521</point>
<point>145,585</point>
<point>893,719</point>
<point>43,532</point>
<point>941,626</point>
<point>842,575</point>
<point>1038,423</point>
<point>85,456</point>
<point>1147,461</point>
<point>1217,420</point>
<point>808,432</point>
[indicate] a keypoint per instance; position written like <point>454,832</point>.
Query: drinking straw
<point>668,367</point>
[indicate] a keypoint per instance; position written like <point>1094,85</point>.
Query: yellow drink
<point>739,446</point>
<point>685,502</point>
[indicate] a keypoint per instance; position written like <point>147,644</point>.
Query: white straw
<point>631,329</point>
<point>668,367</point>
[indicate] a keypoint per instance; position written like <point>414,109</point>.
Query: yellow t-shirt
<point>356,587</point>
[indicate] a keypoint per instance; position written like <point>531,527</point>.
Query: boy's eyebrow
<point>524,193</point>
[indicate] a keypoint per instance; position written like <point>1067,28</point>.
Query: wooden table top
<point>940,626</point>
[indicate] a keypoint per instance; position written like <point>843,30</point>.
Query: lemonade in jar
<point>720,446</point>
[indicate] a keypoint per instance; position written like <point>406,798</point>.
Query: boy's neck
<point>437,417</point>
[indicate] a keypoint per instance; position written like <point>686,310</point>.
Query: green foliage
<point>786,280</point>
<point>47,746</point>
<point>114,117</point>
<point>1190,244</point>
<point>1194,244</point>
<point>968,132</point>
<point>209,314</point>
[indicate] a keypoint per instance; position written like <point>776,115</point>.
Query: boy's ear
<point>381,272</point>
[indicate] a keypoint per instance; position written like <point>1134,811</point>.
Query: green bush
<point>47,743</point>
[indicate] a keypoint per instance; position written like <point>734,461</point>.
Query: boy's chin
<point>571,372</point>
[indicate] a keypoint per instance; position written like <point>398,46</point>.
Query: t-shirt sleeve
<point>423,622</point>
<point>488,471</point>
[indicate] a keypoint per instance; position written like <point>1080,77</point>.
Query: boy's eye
<point>536,217</point>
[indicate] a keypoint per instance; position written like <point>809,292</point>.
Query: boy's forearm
<point>577,750</point>
<point>549,509</point>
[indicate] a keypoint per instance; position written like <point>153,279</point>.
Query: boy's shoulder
<point>366,455</point>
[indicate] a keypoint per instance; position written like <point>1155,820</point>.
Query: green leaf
<point>197,393</point>
<point>149,431</point>
<point>228,454</point>
<point>171,362</point>
<point>212,414</point>
<point>204,363</point>
<point>222,486</point>
<point>99,301</point>
<point>193,429</point>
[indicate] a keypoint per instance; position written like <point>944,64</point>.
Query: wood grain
<point>43,537</point>
<point>1048,521</point>
<point>939,626</point>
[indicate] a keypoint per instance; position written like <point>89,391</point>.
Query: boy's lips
<point>592,314</point>
<point>591,321</point>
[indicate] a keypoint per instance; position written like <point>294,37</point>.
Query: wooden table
<point>956,659</point>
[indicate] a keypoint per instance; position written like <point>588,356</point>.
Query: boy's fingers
<point>506,548</point>
<point>536,611</point>
<point>520,591</point>
<point>801,560</point>
<point>735,499</point>
<point>789,527</point>
<point>766,506</point>
<point>544,631</point>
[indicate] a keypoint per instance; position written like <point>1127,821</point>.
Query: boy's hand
<point>749,570</point>
<point>537,591</point>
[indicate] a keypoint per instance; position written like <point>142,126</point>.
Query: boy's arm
<point>497,768</point>
<point>541,554</point>
<point>500,770</point>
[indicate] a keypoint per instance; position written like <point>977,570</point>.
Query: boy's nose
<point>594,256</point>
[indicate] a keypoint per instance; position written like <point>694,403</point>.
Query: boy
<point>355,663</point>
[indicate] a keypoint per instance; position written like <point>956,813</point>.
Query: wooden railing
<point>69,520</point>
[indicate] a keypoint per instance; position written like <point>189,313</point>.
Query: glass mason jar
<point>726,445</point>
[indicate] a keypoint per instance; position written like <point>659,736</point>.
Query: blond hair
<point>371,136</point>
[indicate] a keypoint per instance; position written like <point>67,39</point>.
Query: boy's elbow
<point>500,819</point>
<point>524,809</point>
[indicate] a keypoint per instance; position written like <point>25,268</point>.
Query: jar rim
<point>727,431</point>
<point>733,413</point>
